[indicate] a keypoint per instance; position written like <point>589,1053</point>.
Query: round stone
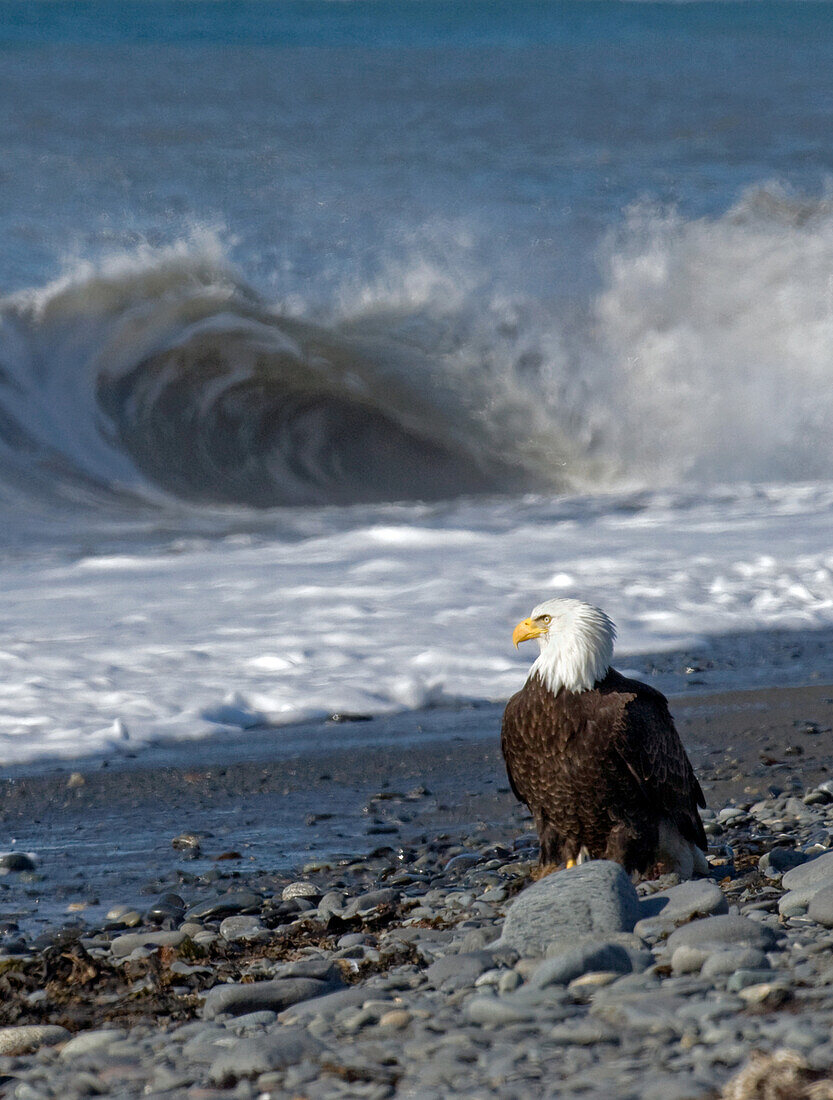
<point>300,890</point>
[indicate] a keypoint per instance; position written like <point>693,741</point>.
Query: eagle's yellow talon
<point>570,864</point>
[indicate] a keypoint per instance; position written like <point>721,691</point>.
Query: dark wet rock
<point>778,861</point>
<point>595,898</point>
<point>169,907</point>
<point>237,901</point>
<point>252,1057</point>
<point>16,861</point>
<point>717,933</point>
<point>238,998</point>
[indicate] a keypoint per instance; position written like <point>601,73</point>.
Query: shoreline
<point>331,934</point>
<point>284,802</point>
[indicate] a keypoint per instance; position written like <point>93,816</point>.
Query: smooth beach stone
<point>28,1037</point>
<point>264,1018</point>
<point>251,1057</point>
<point>237,998</point>
<point>725,930</point>
<point>327,1006</point>
<point>667,909</point>
<point>242,928</point>
<point>366,903</point>
<point>91,1042</point>
<point>816,872</point>
<point>331,905</point>
<point>651,1012</point>
<point>777,862</point>
<point>742,978</point>
<point>766,994</point>
<point>688,960</point>
<point>323,969</point>
<point>127,944</point>
<point>721,963</point>
<point>595,898</point>
<point>300,890</point>
<point>494,1011</point>
<point>225,905</point>
<point>607,954</point>
<point>459,971</point>
<point>168,907</point>
<point>820,908</point>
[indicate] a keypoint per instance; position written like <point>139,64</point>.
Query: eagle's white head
<point>576,642</point>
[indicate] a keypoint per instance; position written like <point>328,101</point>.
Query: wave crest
<point>705,356</point>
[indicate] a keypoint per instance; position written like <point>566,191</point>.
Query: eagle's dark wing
<point>517,740</point>
<point>648,743</point>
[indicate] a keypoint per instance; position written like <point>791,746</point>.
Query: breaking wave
<point>705,354</point>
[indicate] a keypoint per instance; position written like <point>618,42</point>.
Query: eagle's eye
<point>546,619</point>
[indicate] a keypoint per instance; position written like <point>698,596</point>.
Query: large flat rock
<point>593,899</point>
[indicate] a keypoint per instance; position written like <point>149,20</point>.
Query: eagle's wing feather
<point>511,748</point>
<point>651,748</point>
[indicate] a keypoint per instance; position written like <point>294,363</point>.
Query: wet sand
<point>101,830</point>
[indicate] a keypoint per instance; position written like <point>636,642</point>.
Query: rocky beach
<point>154,943</point>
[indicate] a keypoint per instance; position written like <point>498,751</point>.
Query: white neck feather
<point>578,647</point>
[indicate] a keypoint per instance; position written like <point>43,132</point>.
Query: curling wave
<point>166,373</point>
<point>704,356</point>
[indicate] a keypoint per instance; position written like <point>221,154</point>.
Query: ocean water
<point>334,336</point>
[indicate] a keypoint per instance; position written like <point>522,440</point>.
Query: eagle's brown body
<point>603,771</point>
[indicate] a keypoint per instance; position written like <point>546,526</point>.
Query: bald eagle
<point>595,756</point>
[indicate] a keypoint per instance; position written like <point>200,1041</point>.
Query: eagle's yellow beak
<point>525,630</point>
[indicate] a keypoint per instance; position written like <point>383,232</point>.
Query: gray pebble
<point>127,944</point>
<point>816,872</point>
<point>458,971</point>
<point>366,903</point>
<point>242,928</point>
<point>88,1042</point>
<point>667,909</point>
<point>26,1037</point>
<point>300,890</point>
<point>727,930</point>
<point>721,963</point>
<point>603,955</point>
<point>251,1057</point>
<point>238,998</point>
<point>820,908</point>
